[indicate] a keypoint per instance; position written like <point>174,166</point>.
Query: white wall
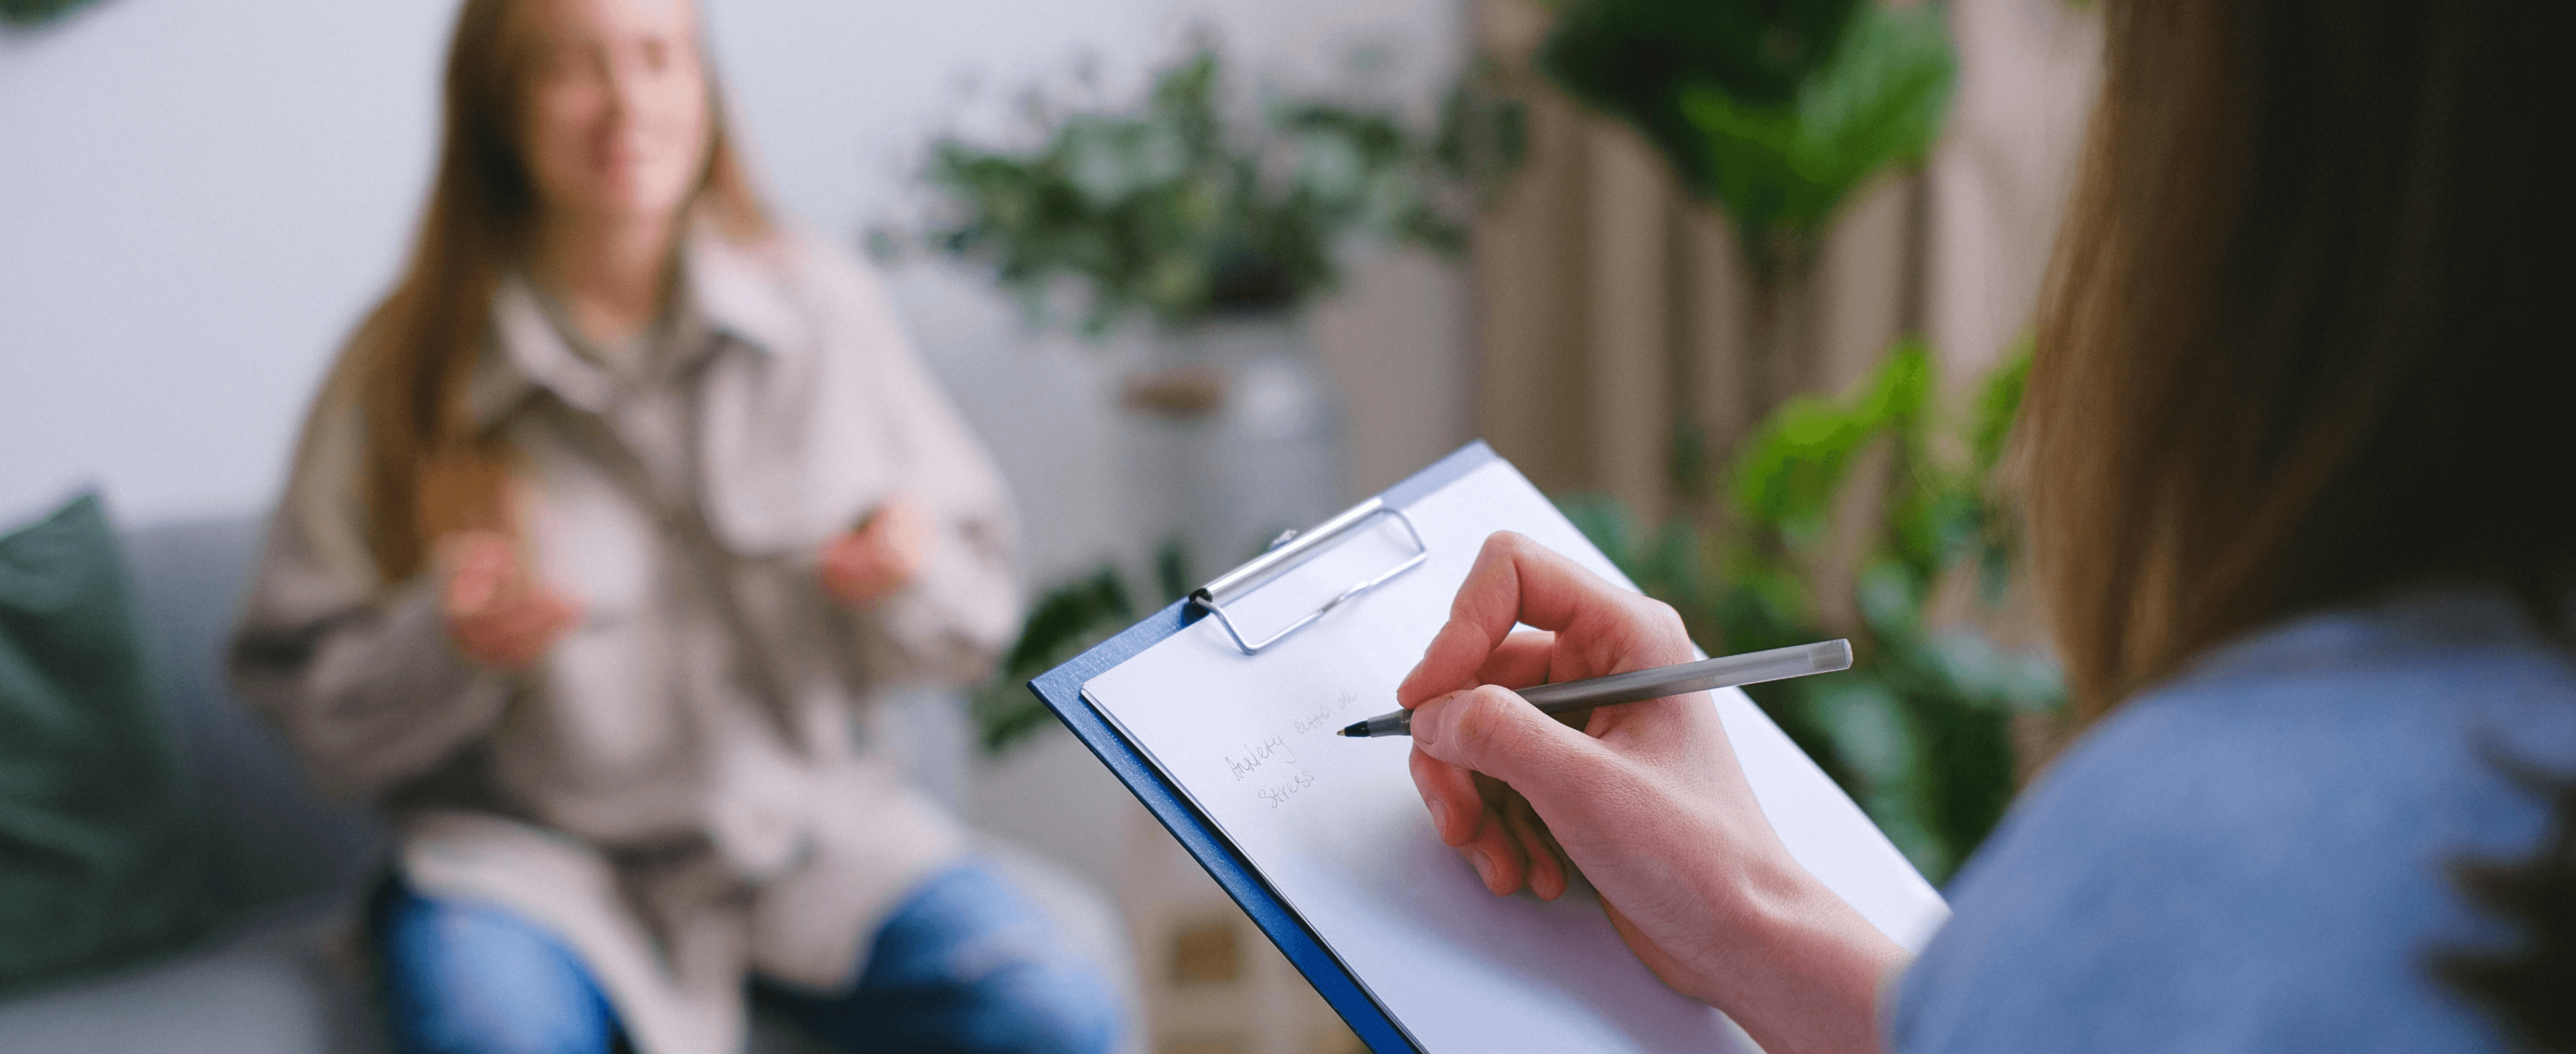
<point>199,197</point>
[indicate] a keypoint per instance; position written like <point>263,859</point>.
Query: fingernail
<point>1440,818</point>
<point>1423,733</point>
<point>1484,866</point>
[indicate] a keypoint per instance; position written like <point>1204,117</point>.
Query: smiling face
<point>617,117</point>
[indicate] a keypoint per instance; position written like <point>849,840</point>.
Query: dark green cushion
<point>102,857</point>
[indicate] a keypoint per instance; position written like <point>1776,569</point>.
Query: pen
<point>1725,671</point>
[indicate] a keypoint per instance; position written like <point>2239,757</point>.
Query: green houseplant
<point>1196,226</point>
<point>1919,731</point>
<point>1173,211</point>
<point>1209,230</point>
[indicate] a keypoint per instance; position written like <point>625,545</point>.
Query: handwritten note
<point>1336,827</point>
<point>1270,766</point>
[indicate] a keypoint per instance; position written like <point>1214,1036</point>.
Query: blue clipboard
<point>1061,690</point>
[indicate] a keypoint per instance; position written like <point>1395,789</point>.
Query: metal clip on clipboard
<point>1295,549</point>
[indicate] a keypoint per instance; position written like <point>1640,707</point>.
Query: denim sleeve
<point>2243,867</point>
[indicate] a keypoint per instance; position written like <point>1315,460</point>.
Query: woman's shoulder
<point>2335,711</point>
<point>2338,729</point>
<point>788,285</point>
<point>2256,855</point>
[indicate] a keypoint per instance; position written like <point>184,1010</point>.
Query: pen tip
<point>1356,728</point>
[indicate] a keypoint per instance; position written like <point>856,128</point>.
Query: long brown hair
<point>2293,352</point>
<point>427,469</point>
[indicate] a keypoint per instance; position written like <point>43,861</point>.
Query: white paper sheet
<point>1339,832</point>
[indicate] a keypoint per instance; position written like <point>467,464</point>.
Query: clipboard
<point>1062,689</point>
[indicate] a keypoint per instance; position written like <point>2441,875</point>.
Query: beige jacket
<point>683,790</point>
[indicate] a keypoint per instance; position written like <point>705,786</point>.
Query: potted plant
<point>1211,234</point>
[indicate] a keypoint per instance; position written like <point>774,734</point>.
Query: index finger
<point>1514,580</point>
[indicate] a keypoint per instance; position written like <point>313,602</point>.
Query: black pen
<point>1725,671</point>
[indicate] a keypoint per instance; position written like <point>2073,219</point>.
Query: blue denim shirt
<point>2254,856</point>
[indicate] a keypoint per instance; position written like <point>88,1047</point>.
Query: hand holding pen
<point>1647,799</point>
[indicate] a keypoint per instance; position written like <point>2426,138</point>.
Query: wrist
<point>1794,964</point>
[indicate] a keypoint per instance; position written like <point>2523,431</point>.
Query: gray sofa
<point>284,976</point>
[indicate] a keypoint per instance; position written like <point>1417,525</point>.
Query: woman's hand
<point>1646,798</point>
<point>884,554</point>
<point>498,613</point>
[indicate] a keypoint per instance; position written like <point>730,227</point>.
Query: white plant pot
<point>1257,451</point>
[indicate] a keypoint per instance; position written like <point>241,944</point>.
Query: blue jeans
<point>964,964</point>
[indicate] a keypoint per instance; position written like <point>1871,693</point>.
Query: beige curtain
<point>1610,307</point>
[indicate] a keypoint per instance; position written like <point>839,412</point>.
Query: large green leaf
<point>1783,166</point>
<point>1788,472</point>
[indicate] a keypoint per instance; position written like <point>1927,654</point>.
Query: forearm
<point>360,674</point>
<point>1796,965</point>
<point>370,697</point>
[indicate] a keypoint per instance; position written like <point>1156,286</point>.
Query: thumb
<point>1492,730</point>
<point>562,608</point>
<point>474,581</point>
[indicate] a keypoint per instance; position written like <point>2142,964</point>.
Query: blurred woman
<point>2299,503</point>
<point>600,534</point>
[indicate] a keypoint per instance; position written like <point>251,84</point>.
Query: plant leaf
<point>1785,165</point>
